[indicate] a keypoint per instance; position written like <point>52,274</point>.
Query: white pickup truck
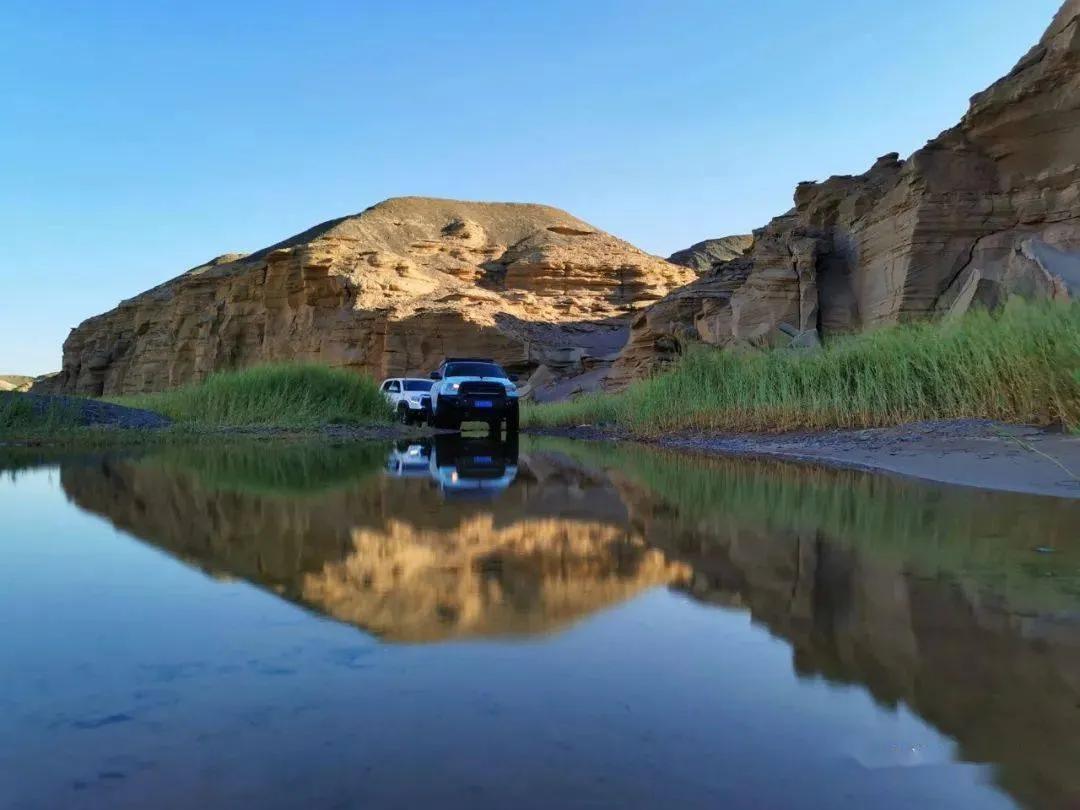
<point>406,396</point>
<point>473,389</point>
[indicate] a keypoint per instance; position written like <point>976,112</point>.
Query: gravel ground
<point>93,413</point>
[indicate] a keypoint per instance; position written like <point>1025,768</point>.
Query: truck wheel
<point>403,414</point>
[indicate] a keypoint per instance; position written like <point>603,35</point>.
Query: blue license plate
<point>481,459</point>
<point>483,403</point>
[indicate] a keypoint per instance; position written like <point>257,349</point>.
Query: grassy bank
<point>284,395</point>
<point>1019,365</point>
<point>281,398</point>
<point>18,416</point>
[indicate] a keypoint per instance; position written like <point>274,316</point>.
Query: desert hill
<point>387,291</point>
<point>15,382</point>
<point>705,256</point>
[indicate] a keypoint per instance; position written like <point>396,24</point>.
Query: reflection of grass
<point>986,537</point>
<point>1020,365</point>
<point>300,395</point>
<point>275,468</point>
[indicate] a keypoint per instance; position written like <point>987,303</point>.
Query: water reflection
<point>960,604</point>
<point>461,466</point>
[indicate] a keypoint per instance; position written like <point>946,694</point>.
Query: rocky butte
<point>389,291</point>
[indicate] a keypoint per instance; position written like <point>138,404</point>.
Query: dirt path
<point>970,452</point>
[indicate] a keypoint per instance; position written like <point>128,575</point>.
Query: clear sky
<point>138,139</point>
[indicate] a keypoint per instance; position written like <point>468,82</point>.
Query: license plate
<point>481,459</point>
<point>483,403</point>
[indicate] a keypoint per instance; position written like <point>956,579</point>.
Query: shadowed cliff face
<point>988,209</point>
<point>934,598</point>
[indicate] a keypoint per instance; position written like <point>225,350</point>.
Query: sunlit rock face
<point>988,209</point>
<point>389,291</point>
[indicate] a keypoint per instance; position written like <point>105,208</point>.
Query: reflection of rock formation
<point>479,579</point>
<point>1004,682</point>
<point>926,596</point>
<point>392,556</point>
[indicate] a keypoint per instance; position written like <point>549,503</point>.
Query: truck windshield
<point>417,385</point>
<point>473,370</point>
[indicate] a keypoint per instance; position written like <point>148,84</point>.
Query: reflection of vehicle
<point>466,466</point>
<point>473,390</point>
<point>406,395</point>
<point>409,459</point>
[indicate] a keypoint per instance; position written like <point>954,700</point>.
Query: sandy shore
<point>968,452</point>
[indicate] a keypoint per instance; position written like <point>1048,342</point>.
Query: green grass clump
<point>23,416</point>
<point>289,395</point>
<point>1021,364</point>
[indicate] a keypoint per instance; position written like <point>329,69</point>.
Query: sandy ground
<point>975,453</point>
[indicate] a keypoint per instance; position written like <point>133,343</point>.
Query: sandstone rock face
<point>388,291</point>
<point>706,256</point>
<point>988,209</point>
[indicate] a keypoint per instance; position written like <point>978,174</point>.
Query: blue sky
<point>138,139</point>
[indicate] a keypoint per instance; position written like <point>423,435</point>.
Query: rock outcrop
<point>706,256</point>
<point>388,291</point>
<point>988,209</point>
<point>15,382</point>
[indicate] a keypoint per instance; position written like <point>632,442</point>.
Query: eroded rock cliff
<point>706,256</point>
<point>988,209</point>
<point>388,291</point>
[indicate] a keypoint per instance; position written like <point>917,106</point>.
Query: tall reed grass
<point>292,395</point>
<point>1021,364</point>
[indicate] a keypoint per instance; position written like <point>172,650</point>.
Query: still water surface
<point>477,624</point>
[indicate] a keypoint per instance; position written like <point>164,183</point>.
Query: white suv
<point>406,396</point>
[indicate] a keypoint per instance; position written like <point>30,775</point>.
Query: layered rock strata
<point>389,291</point>
<point>987,210</point>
